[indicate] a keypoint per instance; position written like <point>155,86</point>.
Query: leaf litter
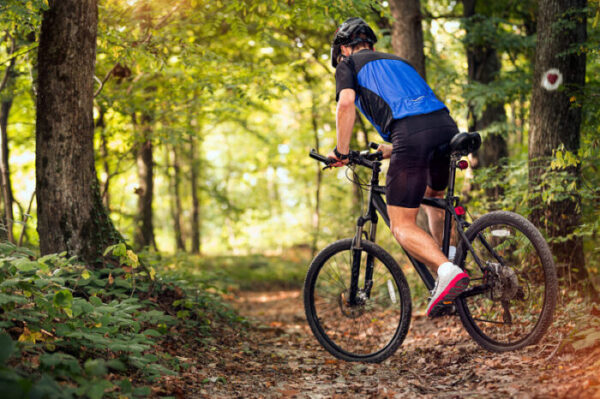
<point>278,357</point>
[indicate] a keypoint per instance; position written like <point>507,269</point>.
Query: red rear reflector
<point>459,210</point>
<point>462,164</point>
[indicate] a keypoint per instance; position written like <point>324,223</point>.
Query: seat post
<point>454,158</point>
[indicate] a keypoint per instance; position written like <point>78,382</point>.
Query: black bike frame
<point>376,203</point>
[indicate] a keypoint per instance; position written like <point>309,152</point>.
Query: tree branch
<point>427,15</point>
<point>25,217</point>
<point>12,62</point>
<point>103,81</point>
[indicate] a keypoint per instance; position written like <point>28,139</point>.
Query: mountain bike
<point>357,300</point>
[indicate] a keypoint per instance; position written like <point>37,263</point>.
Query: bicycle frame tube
<point>381,207</point>
<point>376,203</point>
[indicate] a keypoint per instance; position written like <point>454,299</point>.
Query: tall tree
<point>484,67</point>
<point>554,121</point>
<point>407,42</point>
<point>176,208</point>
<point>194,177</point>
<point>6,103</point>
<point>5,183</point>
<point>144,235</point>
<point>71,216</point>
<point>407,32</point>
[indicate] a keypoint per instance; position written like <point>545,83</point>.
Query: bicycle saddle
<point>465,142</point>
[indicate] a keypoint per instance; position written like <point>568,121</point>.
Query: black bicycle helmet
<point>351,32</point>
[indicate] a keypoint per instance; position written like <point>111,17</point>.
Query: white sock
<point>445,269</point>
<point>451,253</point>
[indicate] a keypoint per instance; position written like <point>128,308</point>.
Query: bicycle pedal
<point>447,310</point>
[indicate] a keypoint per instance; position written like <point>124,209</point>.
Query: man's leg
<point>451,279</point>
<point>403,223</point>
<point>435,216</point>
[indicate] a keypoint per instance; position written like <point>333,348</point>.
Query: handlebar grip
<point>314,154</point>
<point>373,145</point>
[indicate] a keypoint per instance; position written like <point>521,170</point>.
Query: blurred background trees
<point>204,113</point>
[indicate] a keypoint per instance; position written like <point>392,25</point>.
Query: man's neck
<point>360,49</point>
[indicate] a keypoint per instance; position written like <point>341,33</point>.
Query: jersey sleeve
<point>344,79</point>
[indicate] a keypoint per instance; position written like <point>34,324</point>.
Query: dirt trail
<point>280,358</point>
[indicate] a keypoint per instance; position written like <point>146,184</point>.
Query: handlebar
<point>321,158</point>
<point>364,158</point>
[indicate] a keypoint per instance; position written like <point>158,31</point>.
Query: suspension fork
<point>371,216</point>
<point>356,260</point>
<point>370,258</point>
<point>356,255</point>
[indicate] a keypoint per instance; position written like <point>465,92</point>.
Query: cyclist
<point>405,112</point>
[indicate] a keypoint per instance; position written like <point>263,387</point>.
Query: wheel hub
<point>352,311</point>
<point>503,282</point>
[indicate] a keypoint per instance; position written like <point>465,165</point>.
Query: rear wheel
<point>513,298</point>
<point>371,328</point>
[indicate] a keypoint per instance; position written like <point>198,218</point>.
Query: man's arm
<point>344,120</point>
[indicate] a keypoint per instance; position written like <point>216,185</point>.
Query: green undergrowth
<point>247,272</point>
<point>68,331</point>
<point>578,321</point>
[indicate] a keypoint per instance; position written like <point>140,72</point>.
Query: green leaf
<point>152,333</point>
<point>63,299</point>
<point>25,265</point>
<point>5,298</point>
<point>7,347</point>
<point>97,390</point>
<point>142,391</point>
<point>94,300</point>
<point>95,367</point>
<point>116,364</point>
<point>125,386</point>
<point>60,360</point>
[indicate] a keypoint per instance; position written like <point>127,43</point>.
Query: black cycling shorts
<point>420,157</point>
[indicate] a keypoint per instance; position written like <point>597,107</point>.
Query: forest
<point>159,210</point>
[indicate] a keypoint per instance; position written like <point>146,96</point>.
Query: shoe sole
<point>443,309</point>
<point>458,286</point>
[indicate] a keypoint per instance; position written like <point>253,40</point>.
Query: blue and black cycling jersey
<point>387,88</point>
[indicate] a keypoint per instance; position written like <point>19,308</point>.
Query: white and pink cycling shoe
<point>451,282</point>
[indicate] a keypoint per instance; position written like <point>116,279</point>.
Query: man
<point>405,112</point>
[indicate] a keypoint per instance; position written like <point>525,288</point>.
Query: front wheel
<point>369,326</point>
<point>512,295</point>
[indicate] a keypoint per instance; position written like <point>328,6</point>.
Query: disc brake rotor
<point>352,311</point>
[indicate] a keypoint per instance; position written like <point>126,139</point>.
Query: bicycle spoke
<point>508,311</point>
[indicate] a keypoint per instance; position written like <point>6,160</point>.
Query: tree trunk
<point>144,236</point>
<point>7,193</point>
<point>195,165</point>
<point>176,201</point>
<point>407,32</point>
<point>104,154</point>
<point>483,67</point>
<point>70,213</point>
<point>555,121</point>
<point>407,42</point>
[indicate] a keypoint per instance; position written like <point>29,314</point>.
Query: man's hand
<point>339,162</point>
<point>386,150</point>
